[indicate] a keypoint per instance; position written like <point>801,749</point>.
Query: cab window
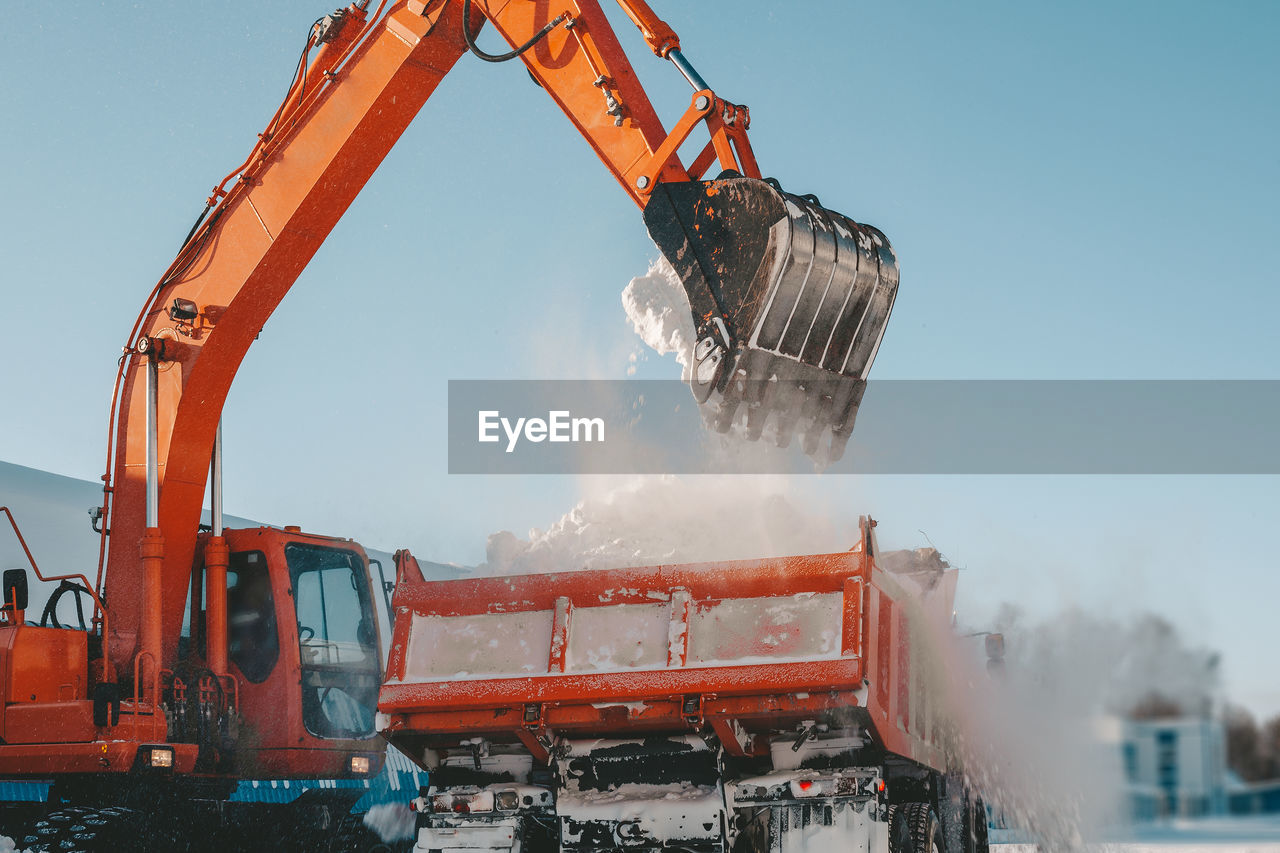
<point>253,643</point>
<point>337,640</point>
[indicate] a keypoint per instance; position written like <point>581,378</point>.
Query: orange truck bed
<point>746,648</point>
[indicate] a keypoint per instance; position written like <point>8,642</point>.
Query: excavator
<point>213,655</point>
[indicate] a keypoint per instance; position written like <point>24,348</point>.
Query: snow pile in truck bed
<point>644,521</point>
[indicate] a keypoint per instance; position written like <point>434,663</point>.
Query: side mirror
<point>995,653</point>
<point>15,588</point>
<point>364,633</point>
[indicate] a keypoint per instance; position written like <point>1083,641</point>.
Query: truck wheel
<point>977,840</point>
<point>914,828</point>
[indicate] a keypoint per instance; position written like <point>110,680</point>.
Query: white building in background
<point>1175,767</point>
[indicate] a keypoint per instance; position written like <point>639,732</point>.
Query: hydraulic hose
<point>50,613</point>
<point>501,57</point>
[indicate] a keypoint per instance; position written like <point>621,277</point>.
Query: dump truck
<point>762,706</point>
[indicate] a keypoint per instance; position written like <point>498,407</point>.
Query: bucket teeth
<point>790,301</point>
<point>797,404</point>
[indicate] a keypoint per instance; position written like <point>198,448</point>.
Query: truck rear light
<point>480,801</point>
<point>507,801</point>
<point>840,786</point>
<point>809,788</point>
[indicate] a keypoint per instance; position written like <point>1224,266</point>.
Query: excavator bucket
<point>789,299</point>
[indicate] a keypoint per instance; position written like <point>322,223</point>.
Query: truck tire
<point>977,827</point>
<point>914,828</point>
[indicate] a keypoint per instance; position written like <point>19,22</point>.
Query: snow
<point>478,645</point>
<point>1064,676</point>
<point>1172,847</point>
<point>632,636</point>
<point>587,746</point>
<point>626,637</point>
<point>518,765</point>
<point>786,758</point>
<point>791,627</point>
<point>633,709</point>
<point>644,521</point>
<point>658,308</point>
<point>661,811</point>
<point>392,821</point>
<point>848,821</point>
<point>1253,834</point>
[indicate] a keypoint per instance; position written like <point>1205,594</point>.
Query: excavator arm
<point>789,299</point>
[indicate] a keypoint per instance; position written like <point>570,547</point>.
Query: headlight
<point>507,801</point>
<point>360,765</point>
<point>156,757</point>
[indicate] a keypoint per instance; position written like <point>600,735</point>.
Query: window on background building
<point>1167,766</point>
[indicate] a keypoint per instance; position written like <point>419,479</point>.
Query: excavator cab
<point>790,301</point>
<point>302,640</point>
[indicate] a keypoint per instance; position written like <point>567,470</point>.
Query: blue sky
<point>1074,191</point>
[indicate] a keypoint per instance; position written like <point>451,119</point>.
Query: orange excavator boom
<point>788,298</point>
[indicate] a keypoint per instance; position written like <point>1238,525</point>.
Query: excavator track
<point>93,829</point>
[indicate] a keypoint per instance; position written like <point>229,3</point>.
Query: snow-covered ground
<point>1167,847</point>
<point>1171,847</point>
<point>1209,835</point>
